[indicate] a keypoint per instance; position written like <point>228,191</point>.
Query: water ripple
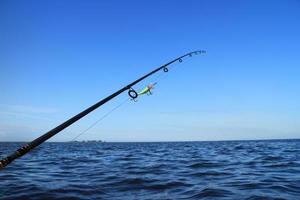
<point>177,170</point>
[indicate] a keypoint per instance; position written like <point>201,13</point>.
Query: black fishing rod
<point>131,92</point>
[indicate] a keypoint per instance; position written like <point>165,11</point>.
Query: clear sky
<point>59,57</point>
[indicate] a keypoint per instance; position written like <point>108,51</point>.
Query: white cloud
<point>9,132</point>
<point>26,109</point>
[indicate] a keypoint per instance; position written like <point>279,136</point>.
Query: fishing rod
<point>131,92</point>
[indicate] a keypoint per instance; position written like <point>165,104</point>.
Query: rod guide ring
<point>132,93</point>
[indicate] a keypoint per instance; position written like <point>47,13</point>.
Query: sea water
<point>162,170</point>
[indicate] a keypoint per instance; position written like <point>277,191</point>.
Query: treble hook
<point>166,69</point>
<point>135,100</point>
<point>180,60</point>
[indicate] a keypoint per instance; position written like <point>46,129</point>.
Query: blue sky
<point>59,57</point>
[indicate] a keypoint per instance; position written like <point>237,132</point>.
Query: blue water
<point>183,170</point>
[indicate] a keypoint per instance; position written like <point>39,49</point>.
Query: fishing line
<point>158,79</point>
<point>99,120</point>
<point>24,149</point>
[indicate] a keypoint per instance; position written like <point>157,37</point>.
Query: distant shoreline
<point>99,141</point>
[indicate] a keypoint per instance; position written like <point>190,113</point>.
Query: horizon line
<point>102,141</point>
